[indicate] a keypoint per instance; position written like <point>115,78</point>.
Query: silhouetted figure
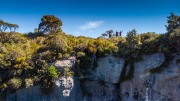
<point>110,35</point>
<point>109,32</point>
<point>120,33</point>
<point>116,34</point>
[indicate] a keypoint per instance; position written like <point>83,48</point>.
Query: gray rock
<point>66,63</point>
<point>136,89</point>
<point>64,89</point>
<point>164,86</point>
<point>99,91</point>
<point>167,83</point>
<point>108,70</point>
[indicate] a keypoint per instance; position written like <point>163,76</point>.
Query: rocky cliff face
<point>108,70</point>
<point>167,84</point>
<point>64,89</point>
<point>145,86</point>
<point>103,84</point>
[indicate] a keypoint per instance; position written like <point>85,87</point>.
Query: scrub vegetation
<point>25,59</point>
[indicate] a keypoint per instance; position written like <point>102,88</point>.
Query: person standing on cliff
<point>110,34</point>
<point>120,33</point>
<point>116,34</point>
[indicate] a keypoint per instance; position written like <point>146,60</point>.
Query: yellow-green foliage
<point>81,43</point>
<point>68,72</point>
<point>66,56</point>
<point>53,73</point>
<point>17,55</point>
<point>57,43</point>
<point>80,54</point>
<point>14,83</point>
<point>21,55</point>
<point>26,57</point>
<point>28,82</point>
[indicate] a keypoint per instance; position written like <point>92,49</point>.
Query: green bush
<point>60,56</point>
<point>148,36</point>
<point>80,54</point>
<point>52,72</point>
<point>57,43</point>
<point>66,56</point>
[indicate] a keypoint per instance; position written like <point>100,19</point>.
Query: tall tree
<point>132,33</point>
<point>35,30</point>
<point>13,27</point>
<point>50,24</point>
<point>173,31</point>
<point>5,25</point>
<point>131,36</point>
<point>104,35</point>
<point>173,23</point>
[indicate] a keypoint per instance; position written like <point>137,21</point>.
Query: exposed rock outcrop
<point>167,83</point>
<point>145,86</point>
<point>64,89</point>
<point>99,91</point>
<point>108,70</point>
<point>103,83</point>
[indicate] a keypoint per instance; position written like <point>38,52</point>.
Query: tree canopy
<point>173,23</point>
<point>173,30</point>
<point>5,25</point>
<point>50,24</point>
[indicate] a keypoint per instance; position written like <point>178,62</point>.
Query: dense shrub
<point>80,54</point>
<point>14,83</point>
<point>28,82</point>
<point>66,55</point>
<point>57,43</point>
<point>52,72</point>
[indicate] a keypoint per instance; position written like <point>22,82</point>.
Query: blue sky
<point>91,17</point>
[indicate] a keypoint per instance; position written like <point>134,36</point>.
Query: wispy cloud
<point>91,25</point>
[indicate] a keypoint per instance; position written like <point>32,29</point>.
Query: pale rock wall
<point>64,89</point>
<point>109,69</point>
<point>103,83</point>
<point>164,86</point>
<point>99,91</point>
<point>167,83</point>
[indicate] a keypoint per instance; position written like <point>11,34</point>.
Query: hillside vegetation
<point>25,58</point>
